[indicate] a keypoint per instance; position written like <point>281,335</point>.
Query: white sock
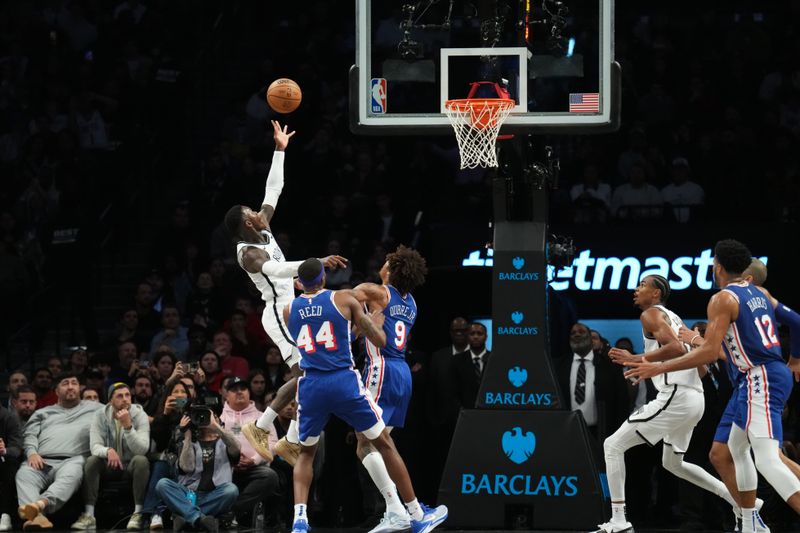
<point>618,513</point>
<point>300,512</point>
<point>293,435</point>
<point>267,419</point>
<point>89,510</point>
<point>138,508</point>
<point>414,509</point>
<point>374,464</point>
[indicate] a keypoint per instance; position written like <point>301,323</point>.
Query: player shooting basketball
<point>260,256</point>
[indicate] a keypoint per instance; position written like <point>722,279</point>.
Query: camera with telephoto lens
<point>200,416</point>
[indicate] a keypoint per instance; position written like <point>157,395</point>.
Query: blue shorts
<point>726,421</point>
<point>763,392</point>
<point>321,394</point>
<point>388,379</point>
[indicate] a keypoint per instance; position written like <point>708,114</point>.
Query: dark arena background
<point>640,134</point>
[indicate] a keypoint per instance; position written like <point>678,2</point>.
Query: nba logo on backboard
<point>378,95</point>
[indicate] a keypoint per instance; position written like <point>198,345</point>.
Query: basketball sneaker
<point>392,523</point>
<point>614,527</point>
<point>300,526</point>
<point>288,451</point>
<point>737,513</point>
<point>258,439</point>
<point>754,524</point>
<point>430,519</point>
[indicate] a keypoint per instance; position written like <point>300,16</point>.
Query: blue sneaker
<point>430,519</point>
<point>300,526</point>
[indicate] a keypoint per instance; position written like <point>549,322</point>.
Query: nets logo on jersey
<point>518,447</point>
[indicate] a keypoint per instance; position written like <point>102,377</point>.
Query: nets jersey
<point>271,288</point>
<point>751,339</point>
<point>321,332</point>
<point>400,314</point>
<point>689,377</point>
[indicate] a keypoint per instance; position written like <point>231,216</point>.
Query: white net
<point>477,122</point>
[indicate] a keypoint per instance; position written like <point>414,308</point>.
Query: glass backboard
<point>554,58</point>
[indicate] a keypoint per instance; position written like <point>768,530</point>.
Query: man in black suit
<point>592,384</point>
<point>442,401</point>
<point>468,367</point>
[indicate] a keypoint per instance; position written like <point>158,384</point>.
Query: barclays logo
<point>518,262</point>
<point>517,317</point>
<point>517,446</point>
<point>517,376</point>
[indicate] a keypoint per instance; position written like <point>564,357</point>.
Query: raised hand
<point>281,136</point>
<point>334,261</point>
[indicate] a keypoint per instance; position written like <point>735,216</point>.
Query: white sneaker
<point>84,523</point>
<point>5,522</point>
<point>156,522</point>
<point>136,522</point>
<point>754,524</point>
<point>614,527</point>
<point>392,523</point>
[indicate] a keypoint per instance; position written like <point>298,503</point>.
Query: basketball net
<point>477,122</point>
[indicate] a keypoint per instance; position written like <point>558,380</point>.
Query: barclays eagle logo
<point>518,262</point>
<point>517,446</point>
<point>517,317</point>
<point>517,376</point>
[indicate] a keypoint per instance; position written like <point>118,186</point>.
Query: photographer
<point>206,472</point>
<point>119,439</point>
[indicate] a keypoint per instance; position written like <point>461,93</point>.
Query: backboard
<point>554,57</point>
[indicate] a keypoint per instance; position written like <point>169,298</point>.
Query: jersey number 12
<point>767,331</point>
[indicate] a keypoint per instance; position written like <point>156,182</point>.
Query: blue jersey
<point>400,314</point>
<point>751,340</point>
<point>320,331</point>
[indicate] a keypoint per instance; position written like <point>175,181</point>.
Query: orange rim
<point>466,104</point>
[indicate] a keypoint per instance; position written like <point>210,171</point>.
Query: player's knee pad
<point>769,463</point>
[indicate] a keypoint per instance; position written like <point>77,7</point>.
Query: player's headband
<point>314,281</point>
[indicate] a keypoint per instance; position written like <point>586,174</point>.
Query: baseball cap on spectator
<point>237,382</point>
<point>116,386</point>
<point>680,162</point>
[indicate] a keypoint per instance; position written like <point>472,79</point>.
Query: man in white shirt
<point>682,192</point>
<point>636,199</point>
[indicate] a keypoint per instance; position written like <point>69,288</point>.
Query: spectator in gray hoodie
<point>56,444</point>
<point>119,439</point>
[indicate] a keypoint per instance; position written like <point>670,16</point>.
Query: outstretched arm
<point>256,260</point>
<point>275,176</point>
<point>722,310</point>
<point>372,293</point>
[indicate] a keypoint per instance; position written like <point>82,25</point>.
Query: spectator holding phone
<point>165,435</point>
<point>205,486</point>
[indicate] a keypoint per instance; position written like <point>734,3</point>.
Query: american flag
<point>584,102</point>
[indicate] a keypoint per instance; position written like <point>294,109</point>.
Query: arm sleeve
<point>274,180</point>
<point>13,438</point>
<point>792,320</point>
<point>138,437</point>
<point>97,444</point>
<point>280,269</point>
<point>31,439</point>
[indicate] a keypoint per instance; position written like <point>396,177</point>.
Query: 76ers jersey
<point>688,377</point>
<point>400,314</point>
<point>751,339</point>
<point>271,288</point>
<point>320,331</point>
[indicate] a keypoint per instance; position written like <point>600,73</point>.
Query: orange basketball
<point>284,95</point>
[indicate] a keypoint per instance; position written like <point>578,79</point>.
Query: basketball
<point>284,95</point>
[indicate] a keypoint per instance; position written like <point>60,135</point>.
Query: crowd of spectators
<point>710,107</point>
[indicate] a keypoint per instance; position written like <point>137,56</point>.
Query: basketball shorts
<point>726,420</point>
<point>275,327</point>
<point>321,394</point>
<point>670,417</point>
<point>388,379</point>
<point>763,392</point>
